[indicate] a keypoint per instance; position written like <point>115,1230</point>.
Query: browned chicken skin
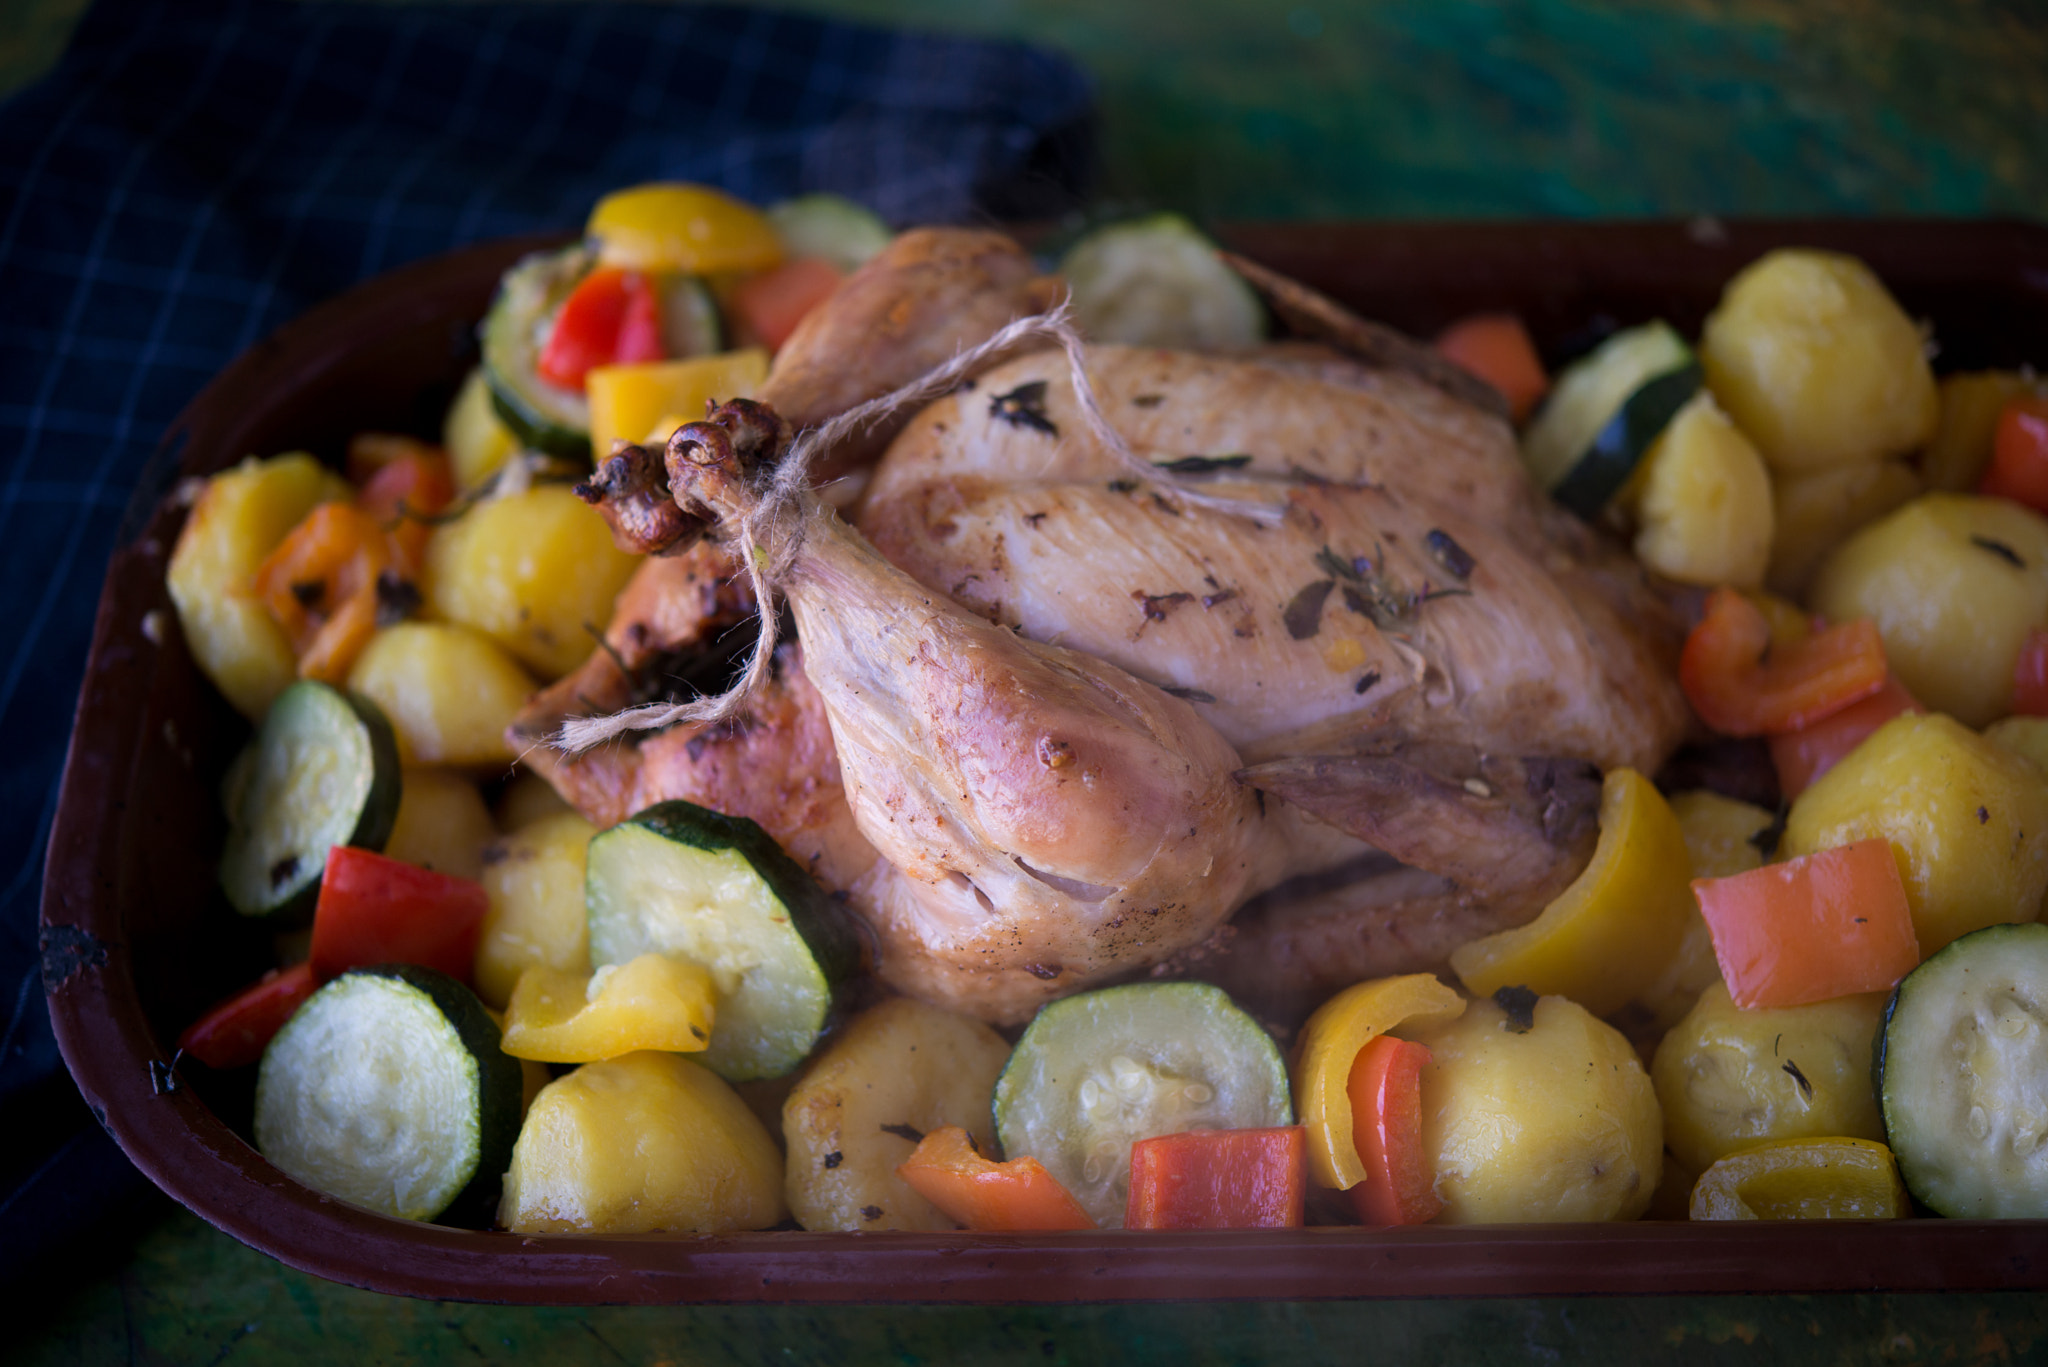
<point>1093,720</point>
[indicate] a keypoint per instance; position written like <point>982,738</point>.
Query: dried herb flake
<point>1520,1005</point>
<point>1448,553</point>
<point>1304,615</point>
<point>1024,406</point>
<point>1999,549</point>
<point>910,1132</point>
<point>1203,465</point>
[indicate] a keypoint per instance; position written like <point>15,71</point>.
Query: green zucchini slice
<point>1094,1073</point>
<point>1605,414</point>
<point>322,771</point>
<point>1962,1075</point>
<point>831,227</point>
<point>680,879</point>
<point>545,417</point>
<point>388,1089</point>
<point>1157,281</point>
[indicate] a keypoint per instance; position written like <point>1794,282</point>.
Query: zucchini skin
<point>374,822</point>
<point>500,1086</point>
<point>826,927</point>
<point>1627,437</point>
<point>533,288</point>
<point>2018,944</point>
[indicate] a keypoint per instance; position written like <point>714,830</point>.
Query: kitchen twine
<point>772,532</point>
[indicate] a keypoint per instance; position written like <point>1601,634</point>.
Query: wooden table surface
<point>1235,109</point>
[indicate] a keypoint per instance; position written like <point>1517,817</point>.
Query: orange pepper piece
<point>1742,682</point>
<point>980,1194</point>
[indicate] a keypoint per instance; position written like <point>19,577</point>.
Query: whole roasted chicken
<point>1270,668</point>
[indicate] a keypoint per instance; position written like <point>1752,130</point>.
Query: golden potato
<point>2026,736</point>
<point>1702,501</point>
<point>1728,1077</point>
<point>477,441</point>
<point>1558,1122</point>
<point>526,799</point>
<point>240,516</point>
<point>534,880</point>
<point>898,1072</point>
<point>534,571</point>
<point>1967,819</point>
<point>1954,583</point>
<point>449,692</point>
<point>442,823</point>
<point>1720,840</point>
<point>1819,511</point>
<point>644,1142</point>
<point>1816,361</point>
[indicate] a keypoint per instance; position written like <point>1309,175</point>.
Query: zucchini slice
<point>388,1089</point>
<point>680,879</point>
<point>1606,412</point>
<point>831,227</point>
<point>545,417</point>
<point>1096,1072</point>
<point>1962,1075</point>
<point>322,771</point>
<point>1157,281</point>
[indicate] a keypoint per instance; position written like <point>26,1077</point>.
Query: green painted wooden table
<point>1232,108</point>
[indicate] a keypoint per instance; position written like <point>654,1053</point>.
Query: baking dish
<point>137,943</point>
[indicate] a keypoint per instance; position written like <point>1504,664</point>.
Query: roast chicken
<point>1049,721</point>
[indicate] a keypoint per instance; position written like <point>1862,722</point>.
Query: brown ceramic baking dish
<point>137,940</point>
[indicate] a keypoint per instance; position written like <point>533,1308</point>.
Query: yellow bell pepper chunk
<point>1329,1045</point>
<point>1803,1179</point>
<point>1608,936</point>
<point>657,1001</point>
<point>627,402</point>
<point>667,226</point>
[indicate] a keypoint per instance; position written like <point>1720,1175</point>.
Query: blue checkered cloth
<point>196,172</point>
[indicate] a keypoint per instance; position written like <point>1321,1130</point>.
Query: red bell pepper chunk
<point>2030,676</point>
<point>2019,454</point>
<point>766,308</point>
<point>374,910</point>
<point>1496,348</point>
<point>1744,684</point>
<point>612,317</point>
<point>1219,1179</point>
<point>235,1033</point>
<point>1828,924</point>
<point>1804,755</point>
<point>981,1194</point>
<point>1386,1124</point>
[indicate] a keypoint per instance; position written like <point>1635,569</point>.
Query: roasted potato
<point>1701,501</point>
<point>238,519</point>
<point>442,823</point>
<point>1954,583</point>
<point>477,441</point>
<point>449,692</point>
<point>1960,453</point>
<point>1967,820</point>
<point>1720,840</point>
<point>534,880</point>
<point>1728,1077</point>
<point>1819,511</point>
<point>1554,1122</point>
<point>1817,362</point>
<point>899,1071</point>
<point>644,1142</point>
<point>534,571</point>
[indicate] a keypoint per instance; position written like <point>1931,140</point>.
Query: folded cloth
<point>195,172</point>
